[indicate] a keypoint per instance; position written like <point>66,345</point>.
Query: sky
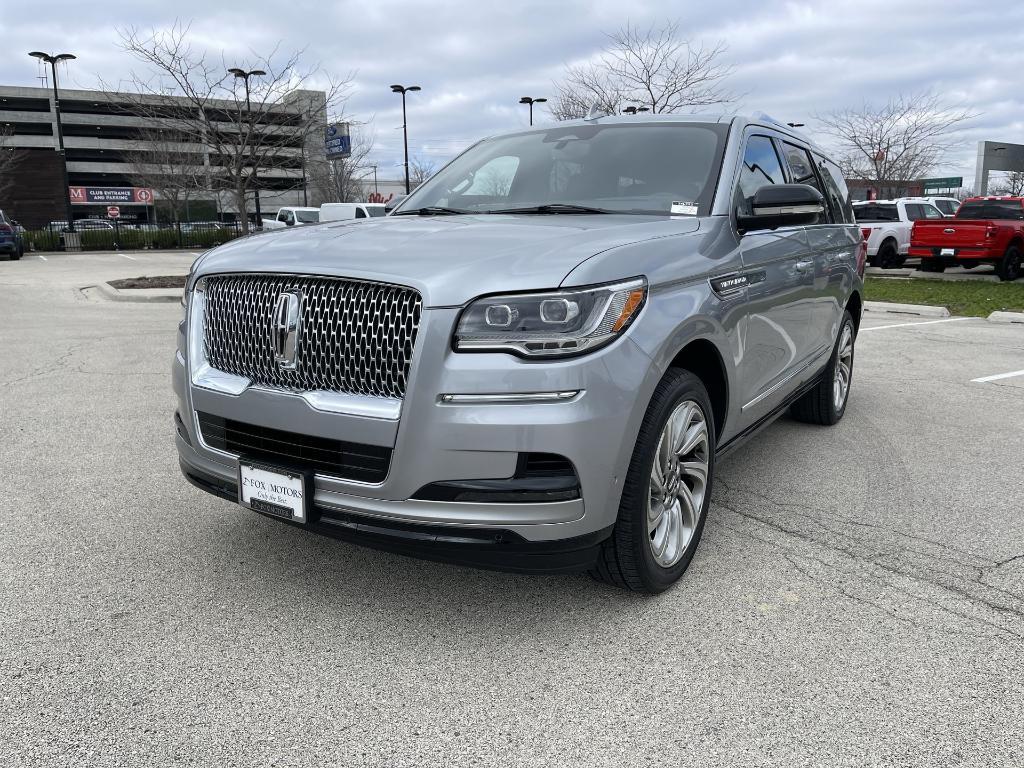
<point>790,58</point>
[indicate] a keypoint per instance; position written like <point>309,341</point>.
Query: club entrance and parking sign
<point>111,195</point>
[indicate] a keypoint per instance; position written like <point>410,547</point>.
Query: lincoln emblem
<point>285,329</point>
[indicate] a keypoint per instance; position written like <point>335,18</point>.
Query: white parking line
<point>129,257</point>
<point>923,322</point>
<point>998,376</point>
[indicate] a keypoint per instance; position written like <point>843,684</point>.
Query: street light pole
<point>402,89</point>
<point>531,102</point>
<point>52,61</point>
<point>238,72</point>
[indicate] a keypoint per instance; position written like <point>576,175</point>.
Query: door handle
<point>804,266</point>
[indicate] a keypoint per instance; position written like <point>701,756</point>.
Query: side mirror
<point>783,205</point>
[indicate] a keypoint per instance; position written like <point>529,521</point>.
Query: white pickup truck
<point>291,216</point>
<point>886,226</point>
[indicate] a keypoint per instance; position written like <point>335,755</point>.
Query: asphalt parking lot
<point>858,598</point>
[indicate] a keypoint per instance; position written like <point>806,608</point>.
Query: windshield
<point>375,210</point>
<point>641,168</point>
<point>876,212</point>
<point>991,209</point>
<point>307,217</point>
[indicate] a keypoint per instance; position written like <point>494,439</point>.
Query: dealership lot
<point>858,596</point>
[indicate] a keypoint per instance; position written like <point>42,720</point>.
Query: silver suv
<point>534,362</point>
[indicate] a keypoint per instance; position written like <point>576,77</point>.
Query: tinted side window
<point>801,169</point>
<point>761,167</point>
<point>914,211</point>
<point>360,213</point>
<point>931,212</point>
<point>947,206</point>
<point>836,191</point>
<point>876,212</point>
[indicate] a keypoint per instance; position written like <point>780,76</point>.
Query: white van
<point>346,211</point>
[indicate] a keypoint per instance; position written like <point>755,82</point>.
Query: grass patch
<point>963,297</point>
<point>160,281</point>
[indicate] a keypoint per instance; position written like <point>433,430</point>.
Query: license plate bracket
<point>274,490</point>
<point>947,252</point>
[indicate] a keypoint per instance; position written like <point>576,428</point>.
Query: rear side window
<point>876,212</point>
<point>991,209</point>
<point>360,213</point>
<point>837,192</point>
<point>948,207</point>
<point>916,211</point>
<point>376,211</point>
<point>761,166</point>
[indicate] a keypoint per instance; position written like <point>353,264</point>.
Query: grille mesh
<point>356,337</point>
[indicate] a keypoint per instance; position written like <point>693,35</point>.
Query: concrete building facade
<point>107,136</point>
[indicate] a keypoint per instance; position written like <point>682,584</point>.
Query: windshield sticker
<point>683,209</point>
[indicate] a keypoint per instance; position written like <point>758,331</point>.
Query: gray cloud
<point>474,60</point>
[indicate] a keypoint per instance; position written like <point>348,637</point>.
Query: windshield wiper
<point>432,210</point>
<point>553,208</point>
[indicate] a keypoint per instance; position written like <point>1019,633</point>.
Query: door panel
<point>775,336</point>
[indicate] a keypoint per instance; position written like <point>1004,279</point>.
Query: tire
<point>888,255</point>
<point>824,404</point>
<point>17,254</point>
<point>1009,267</point>
<point>647,553</point>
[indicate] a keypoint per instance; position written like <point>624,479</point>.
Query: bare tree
<point>241,125</point>
<point>173,169</point>
<point>656,68</point>
<point>897,143</point>
<point>10,156</point>
<point>420,169</point>
<point>1011,184</point>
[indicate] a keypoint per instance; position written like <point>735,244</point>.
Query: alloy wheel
<point>679,479</point>
<point>844,368</point>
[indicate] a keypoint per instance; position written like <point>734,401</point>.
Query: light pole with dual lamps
<point>404,89</point>
<point>53,60</point>
<point>245,75</point>
<point>531,101</point>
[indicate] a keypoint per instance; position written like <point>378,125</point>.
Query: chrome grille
<point>356,337</point>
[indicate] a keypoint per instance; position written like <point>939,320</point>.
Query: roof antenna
<point>596,111</point>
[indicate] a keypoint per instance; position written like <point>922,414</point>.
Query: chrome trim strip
<point>775,387</point>
<point>510,398</point>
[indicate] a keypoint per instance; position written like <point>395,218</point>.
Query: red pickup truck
<point>984,230</point>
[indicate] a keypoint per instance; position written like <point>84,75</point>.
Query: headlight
<point>554,324</point>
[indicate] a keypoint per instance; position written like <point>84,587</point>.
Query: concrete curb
<point>920,310</point>
<point>1006,317</point>
<point>143,295</point>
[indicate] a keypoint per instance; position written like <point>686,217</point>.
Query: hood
<point>448,259</point>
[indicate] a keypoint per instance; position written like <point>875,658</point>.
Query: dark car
<point>11,241</point>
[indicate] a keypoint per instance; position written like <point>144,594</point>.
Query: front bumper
<point>433,442</point>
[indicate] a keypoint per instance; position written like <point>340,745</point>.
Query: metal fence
<point>99,235</point>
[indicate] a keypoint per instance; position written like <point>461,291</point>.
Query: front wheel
<point>1009,266</point>
<point>667,490</point>
<point>825,404</point>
